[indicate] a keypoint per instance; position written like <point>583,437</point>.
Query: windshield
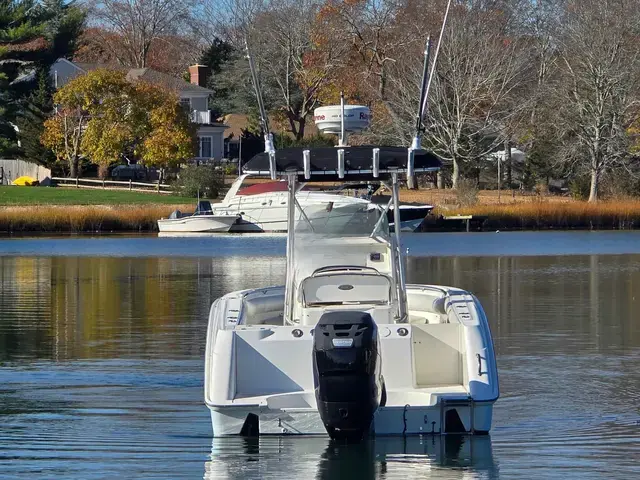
<point>340,220</point>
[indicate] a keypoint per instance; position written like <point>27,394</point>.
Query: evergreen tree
<point>225,63</point>
<point>36,109</point>
<point>21,41</point>
<point>33,34</point>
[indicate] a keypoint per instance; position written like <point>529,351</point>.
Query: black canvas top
<point>358,162</point>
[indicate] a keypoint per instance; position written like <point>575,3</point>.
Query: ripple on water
<point>102,364</point>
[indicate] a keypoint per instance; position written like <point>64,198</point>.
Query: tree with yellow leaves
<point>103,117</point>
<point>165,136</point>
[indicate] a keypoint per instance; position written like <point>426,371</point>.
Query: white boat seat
<point>263,309</point>
<point>426,308</point>
<point>334,288</point>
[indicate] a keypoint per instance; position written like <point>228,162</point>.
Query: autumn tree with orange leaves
<point>294,70</point>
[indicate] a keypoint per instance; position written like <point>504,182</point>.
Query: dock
<point>453,223</point>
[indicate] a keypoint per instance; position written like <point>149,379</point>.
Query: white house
<point>193,96</point>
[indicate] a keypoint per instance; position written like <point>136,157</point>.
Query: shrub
<point>467,192</point>
<point>319,140</point>
<point>580,187</point>
<point>230,169</point>
<point>202,180</point>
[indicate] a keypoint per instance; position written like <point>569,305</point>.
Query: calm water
<point>102,343</point>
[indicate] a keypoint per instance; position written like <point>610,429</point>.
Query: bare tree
<point>598,88</point>
<point>534,130</point>
<point>481,68</point>
<point>137,24</point>
<point>377,34</point>
<point>293,68</point>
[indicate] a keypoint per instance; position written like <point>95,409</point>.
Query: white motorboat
<point>264,206</point>
<point>202,220</point>
<point>346,347</point>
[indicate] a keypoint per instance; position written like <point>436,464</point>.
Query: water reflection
<point>91,307</point>
<point>550,304</point>
<point>451,456</point>
<point>102,363</point>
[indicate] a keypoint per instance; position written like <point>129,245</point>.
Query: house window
<point>205,147</point>
<point>186,104</point>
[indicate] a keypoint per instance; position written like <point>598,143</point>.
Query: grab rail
<point>480,373</point>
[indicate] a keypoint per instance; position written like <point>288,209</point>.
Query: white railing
<point>202,117</point>
<point>112,184</point>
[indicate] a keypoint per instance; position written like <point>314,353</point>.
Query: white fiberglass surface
<point>346,288</point>
<point>358,219</point>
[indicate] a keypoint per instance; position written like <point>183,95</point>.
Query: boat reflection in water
<point>446,456</point>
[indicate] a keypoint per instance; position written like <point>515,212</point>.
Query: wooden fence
<point>112,184</point>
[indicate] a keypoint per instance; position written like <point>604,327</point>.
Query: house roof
<point>149,75</point>
<point>238,122</point>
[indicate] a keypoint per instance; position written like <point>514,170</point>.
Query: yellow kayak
<point>25,180</point>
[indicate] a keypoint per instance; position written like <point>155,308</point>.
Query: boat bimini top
<point>341,163</point>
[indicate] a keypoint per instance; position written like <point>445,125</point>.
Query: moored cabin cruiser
<point>263,207</point>
<point>346,347</point>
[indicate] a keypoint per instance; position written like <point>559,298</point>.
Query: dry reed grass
<point>448,197</point>
<point>84,218</point>
<point>534,213</point>
<point>542,214</point>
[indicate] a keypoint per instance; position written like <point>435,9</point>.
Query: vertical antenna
<point>423,88</point>
<point>424,96</point>
<point>435,57</point>
<point>343,140</point>
<point>416,143</point>
<point>264,121</point>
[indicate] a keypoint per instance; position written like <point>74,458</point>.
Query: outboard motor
<point>347,372</point>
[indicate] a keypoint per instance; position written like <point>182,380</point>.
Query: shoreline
<point>142,218</point>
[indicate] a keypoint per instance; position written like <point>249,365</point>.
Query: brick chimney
<point>199,74</point>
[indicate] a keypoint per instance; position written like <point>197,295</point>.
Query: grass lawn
<point>12,195</point>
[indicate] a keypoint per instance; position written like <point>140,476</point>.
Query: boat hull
<point>439,369</point>
<point>197,224</point>
<point>390,420</point>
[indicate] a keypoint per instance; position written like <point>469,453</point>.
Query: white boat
<point>201,221</point>
<point>345,347</point>
<point>264,206</point>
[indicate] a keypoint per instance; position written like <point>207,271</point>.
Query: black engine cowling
<point>346,372</point>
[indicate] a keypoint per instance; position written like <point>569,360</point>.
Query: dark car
<point>129,172</point>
